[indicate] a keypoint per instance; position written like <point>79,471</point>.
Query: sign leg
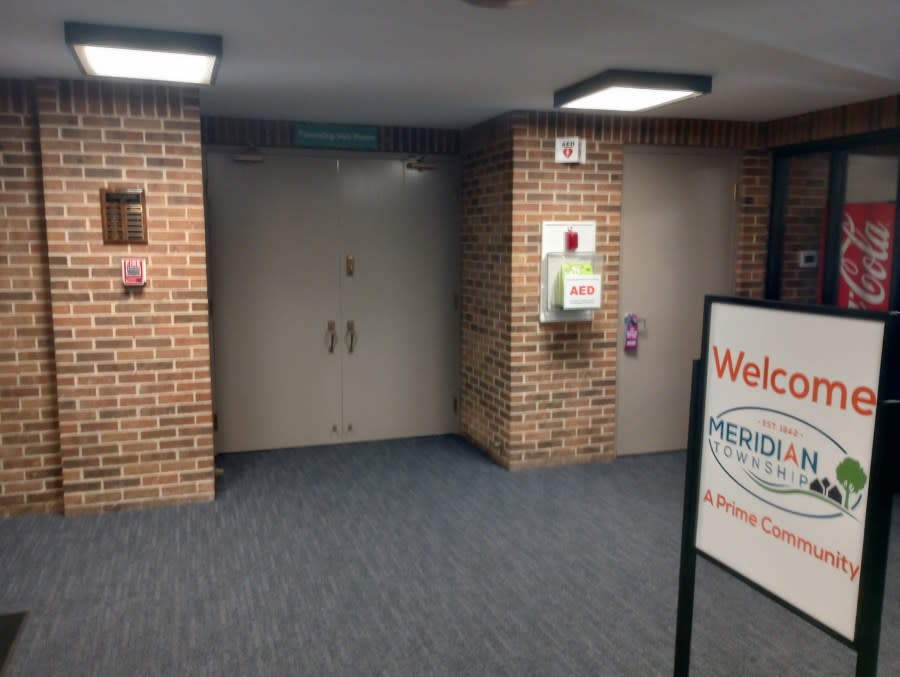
<point>688,570</point>
<point>871,582</point>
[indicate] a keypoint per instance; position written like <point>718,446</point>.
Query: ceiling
<point>444,63</point>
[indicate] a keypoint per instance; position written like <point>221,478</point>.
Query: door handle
<point>350,337</point>
<point>331,336</point>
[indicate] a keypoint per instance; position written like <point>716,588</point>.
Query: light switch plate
<point>808,258</point>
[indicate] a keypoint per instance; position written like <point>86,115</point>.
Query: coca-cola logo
<point>864,263</point>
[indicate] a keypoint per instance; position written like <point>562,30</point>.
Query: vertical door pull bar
<point>331,336</point>
<point>351,336</point>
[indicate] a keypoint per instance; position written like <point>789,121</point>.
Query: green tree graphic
<point>851,476</point>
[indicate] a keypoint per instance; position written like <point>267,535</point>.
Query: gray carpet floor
<point>413,557</point>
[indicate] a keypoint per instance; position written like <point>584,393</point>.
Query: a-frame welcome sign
<point>795,427</point>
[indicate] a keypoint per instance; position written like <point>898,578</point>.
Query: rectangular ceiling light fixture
<point>143,54</point>
<point>632,91</point>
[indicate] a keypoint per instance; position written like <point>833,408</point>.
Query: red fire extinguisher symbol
<point>571,240</point>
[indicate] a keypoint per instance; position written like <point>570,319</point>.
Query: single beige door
<point>400,230</point>
<point>678,244</point>
<point>274,252</point>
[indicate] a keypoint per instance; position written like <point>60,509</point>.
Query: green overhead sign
<point>322,135</point>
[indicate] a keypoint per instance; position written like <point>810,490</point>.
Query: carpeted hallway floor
<point>413,557</point>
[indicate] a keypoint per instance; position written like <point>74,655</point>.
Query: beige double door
<point>333,281</point>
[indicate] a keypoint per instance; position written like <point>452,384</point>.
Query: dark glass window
<point>833,227</point>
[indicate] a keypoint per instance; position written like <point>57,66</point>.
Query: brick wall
<point>805,203</point>
<point>485,287</point>
<point>133,372</point>
<point>830,123</point>
<point>30,467</point>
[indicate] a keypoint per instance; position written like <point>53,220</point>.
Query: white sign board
<point>788,431</point>
<point>581,291</point>
<point>570,150</point>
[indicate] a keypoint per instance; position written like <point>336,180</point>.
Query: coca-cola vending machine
<point>866,256</point>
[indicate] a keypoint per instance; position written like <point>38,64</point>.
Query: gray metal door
<point>400,228</point>
<point>678,244</point>
<point>274,288</point>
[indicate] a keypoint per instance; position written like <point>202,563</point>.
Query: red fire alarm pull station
<point>571,240</point>
<point>134,272</point>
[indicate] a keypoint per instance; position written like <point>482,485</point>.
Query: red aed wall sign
<point>134,272</point>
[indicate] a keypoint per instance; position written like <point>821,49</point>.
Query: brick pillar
<point>30,465</point>
<point>133,367</point>
<point>485,287</point>
<point>563,375</point>
<point>754,189</point>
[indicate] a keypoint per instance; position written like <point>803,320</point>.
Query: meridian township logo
<point>786,462</point>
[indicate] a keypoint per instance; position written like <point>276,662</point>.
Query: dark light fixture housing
<point>631,91</point>
<point>144,54</point>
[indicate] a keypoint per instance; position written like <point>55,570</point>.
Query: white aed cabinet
<point>571,271</point>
